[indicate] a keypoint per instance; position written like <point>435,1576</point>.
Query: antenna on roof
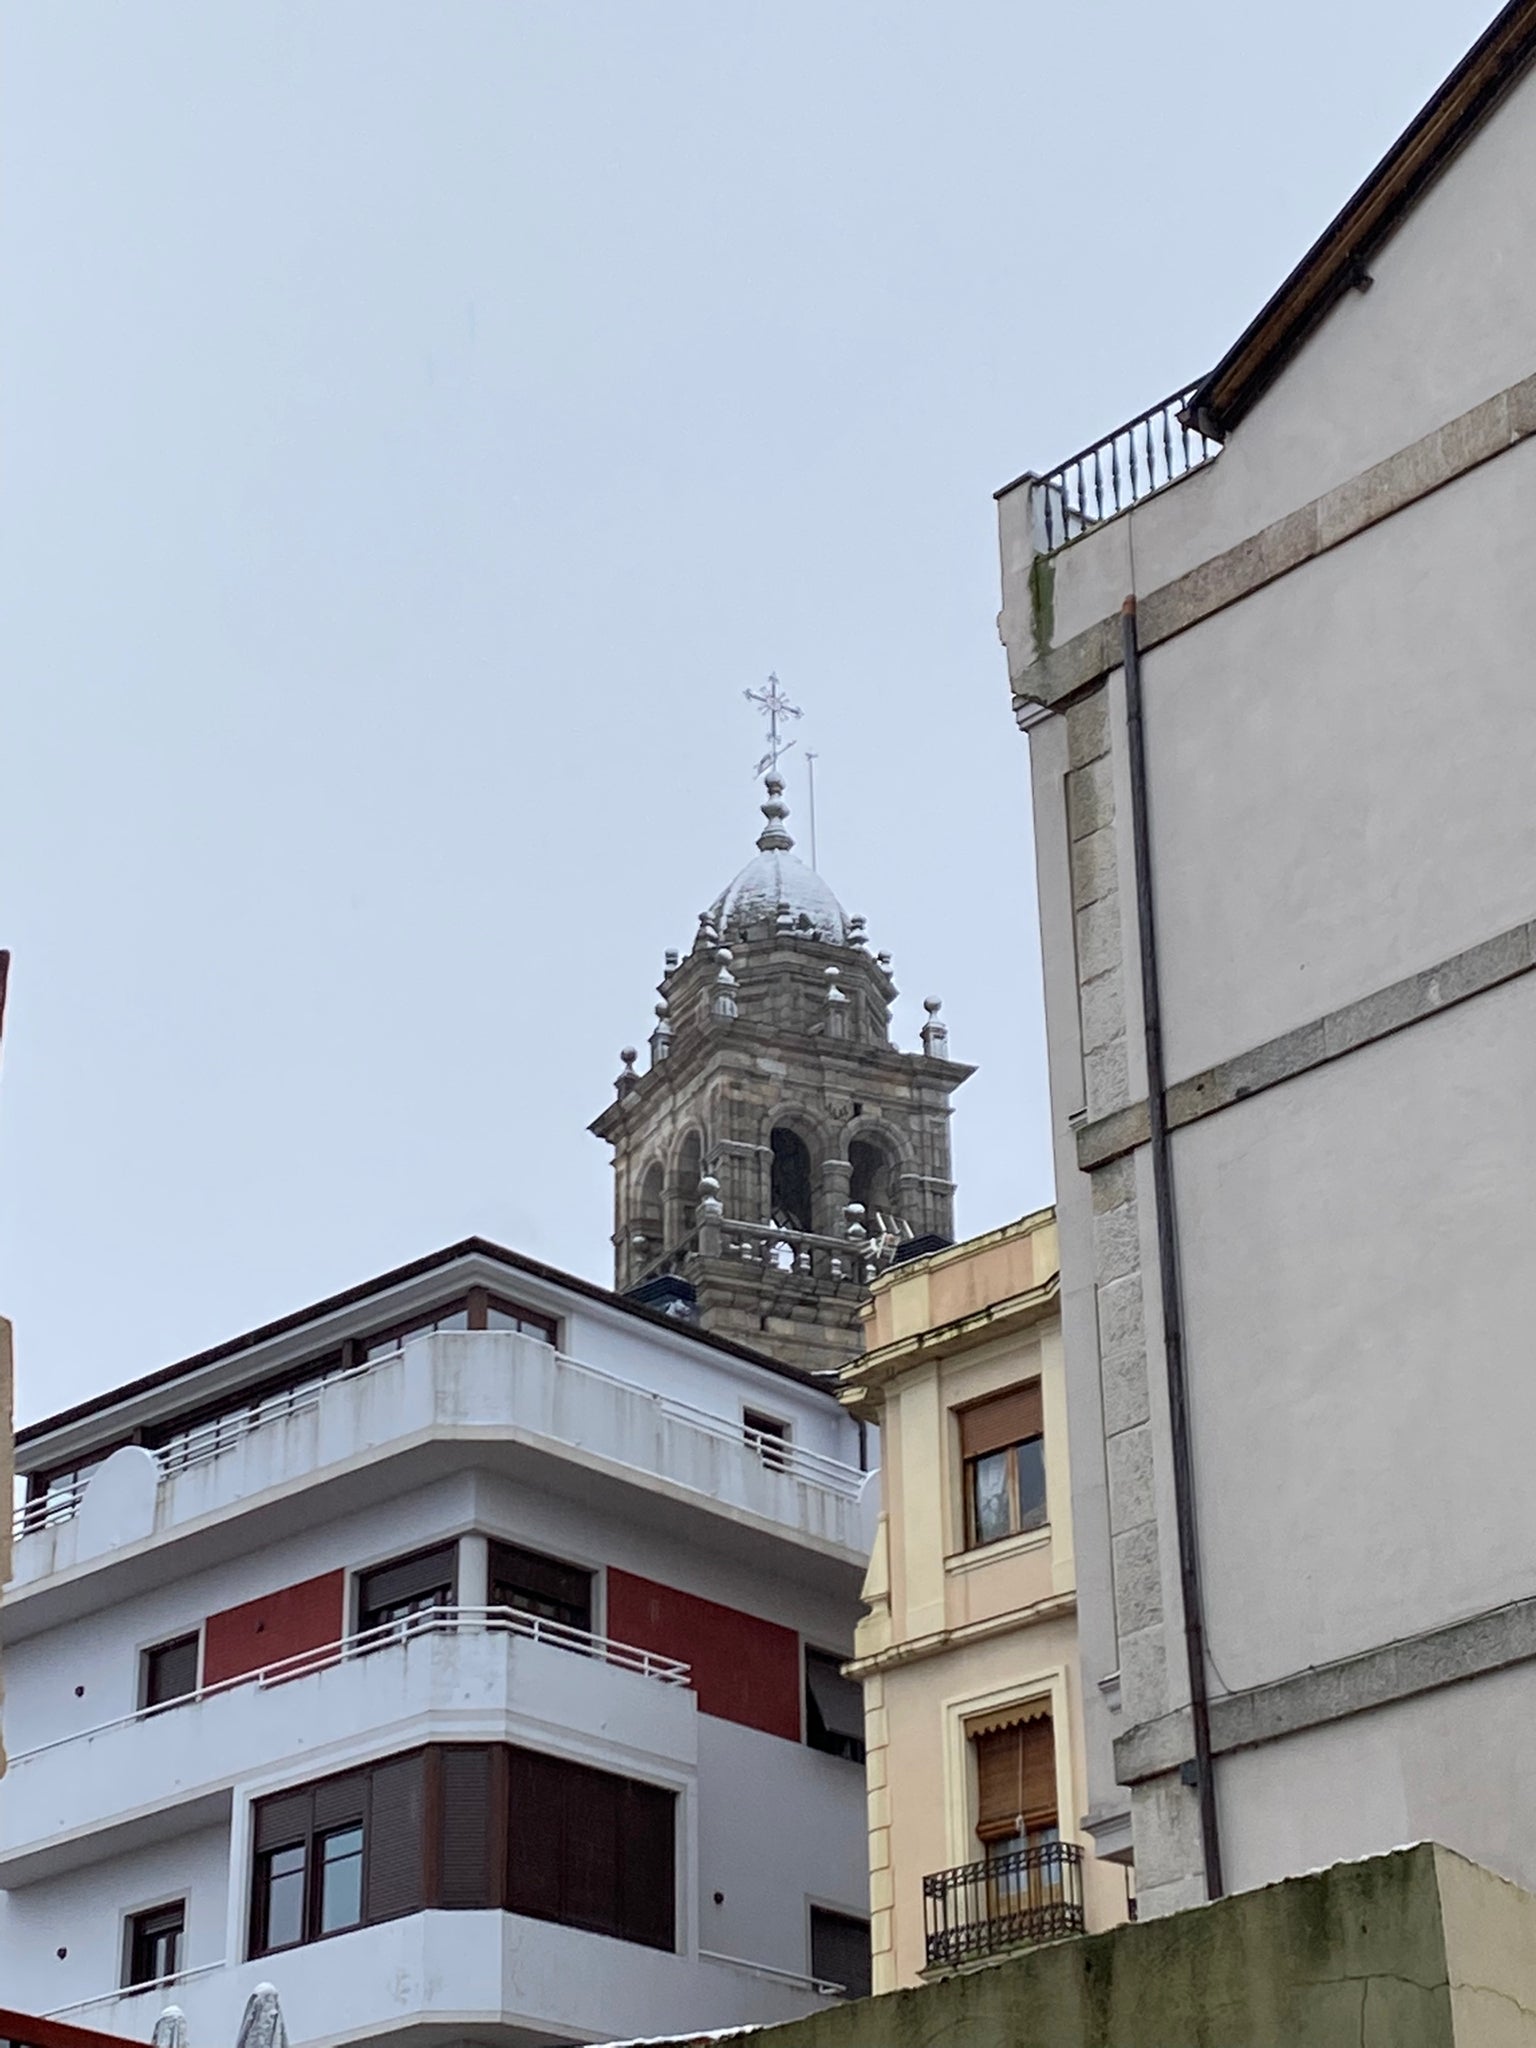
<point>810,796</point>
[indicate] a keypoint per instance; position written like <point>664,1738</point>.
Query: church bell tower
<point>778,1149</point>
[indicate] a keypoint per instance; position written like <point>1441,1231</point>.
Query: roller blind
<point>1015,1778</point>
<point>1006,1419</point>
<point>430,1572</point>
<point>395,1844</point>
<point>466,1875</point>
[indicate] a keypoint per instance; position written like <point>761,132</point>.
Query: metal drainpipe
<point>1168,1265</point>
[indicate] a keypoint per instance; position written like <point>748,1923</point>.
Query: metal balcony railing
<point>431,1621</point>
<point>1144,456</point>
<point>1015,1901</point>
<point>209,1440</point>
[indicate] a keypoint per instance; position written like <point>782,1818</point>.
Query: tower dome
<point>775,882</point>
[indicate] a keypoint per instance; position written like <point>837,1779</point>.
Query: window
<point>309,1877</point>
<point>1015,1785</point>
<point>479,1312</point>
<point>1002,1445</point>
<point>52,1496</point>
<point>591,1850</point>
<point>506,1315</point>
<point>411,1585</point>
<point>531,1584</point>
<point>341,1879</point>
<point>455,1317</point>
<point>768,1436</point>
<point>872,1184</point>
<point>840,1951</point>
<point>834,1707</point>
<point>463,1827</point>
<point>153,1946</point>
<point>169,1672</point>
<point>790,1205</point>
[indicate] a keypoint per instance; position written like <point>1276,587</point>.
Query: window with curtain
<point>1016,1804</point>
<point>1002,1451</point>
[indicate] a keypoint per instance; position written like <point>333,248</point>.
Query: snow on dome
<point>778,876</point>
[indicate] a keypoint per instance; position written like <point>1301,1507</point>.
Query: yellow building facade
<point>968,1651</point>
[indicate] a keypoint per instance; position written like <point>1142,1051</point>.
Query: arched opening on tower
<point>650,1217</point>
<point>872,1182</point>
<point>791,1202</point>
<point>690,1169</point>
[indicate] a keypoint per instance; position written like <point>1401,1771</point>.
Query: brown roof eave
<point>1337,260</point>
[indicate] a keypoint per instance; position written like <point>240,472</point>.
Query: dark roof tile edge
<point>1438,132</point>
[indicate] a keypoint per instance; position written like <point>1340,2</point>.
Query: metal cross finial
<point>773,703</point>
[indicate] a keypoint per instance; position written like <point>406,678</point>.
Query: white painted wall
<point>1361,1296</point>
<point>85,1913</point>
<point>1340,767</point>
<point>779,1827</point>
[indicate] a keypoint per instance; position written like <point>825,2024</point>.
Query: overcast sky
<point>421,423</point>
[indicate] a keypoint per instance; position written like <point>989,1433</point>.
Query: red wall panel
<point>744,1669</point>
<point>278,1625</point>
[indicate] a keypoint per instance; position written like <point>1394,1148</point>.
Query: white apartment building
<point>460,1655</point>
<point>1272,641</point>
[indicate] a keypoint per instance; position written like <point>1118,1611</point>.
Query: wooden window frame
<point>471,1873</point>
<point>428,1554</point>
<point>769,1435</point>
<point>135,1929</point>
<point>1008,1422</point>
<point>515,1557</point>
<point>151,1651</point>
<point>836,1746</point>
<point>821,1915</point>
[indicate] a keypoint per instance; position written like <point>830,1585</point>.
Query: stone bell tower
<point>778,1149</point>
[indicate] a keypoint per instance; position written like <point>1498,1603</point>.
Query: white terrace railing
<point>431,1621</point>
<point>160,1984</point>
<point>211,1439</point>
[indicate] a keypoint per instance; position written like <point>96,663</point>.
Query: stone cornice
<point>1054,1607</point>
<point>873,1372</point>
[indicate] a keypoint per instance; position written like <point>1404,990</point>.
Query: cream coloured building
<point>968,1652</point>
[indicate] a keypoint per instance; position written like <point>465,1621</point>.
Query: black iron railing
<point>1143,456</point>
<point>1008,1902</point>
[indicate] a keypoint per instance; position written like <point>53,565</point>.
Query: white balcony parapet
<point>432,1621</point>
<point>160,1984</point>
<point>213,1439</point>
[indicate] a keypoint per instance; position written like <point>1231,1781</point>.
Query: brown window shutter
<point>536,1829</point>
<point>409,1578</point>
<point>1015,1778</point>
<point>339,1801</point>
<point>287,1818</point>
<point>1039,1772</point>
<point>593,1805</point>
<point>648,1882</point>
<point>1006,1419</point>
<point>395,1840</point>
<point>466,1875</point>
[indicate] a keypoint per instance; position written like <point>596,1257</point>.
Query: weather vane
<point>774,705</point>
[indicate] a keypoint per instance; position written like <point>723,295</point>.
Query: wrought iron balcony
<point>1146,455</point>
<point>1008,1902</point>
